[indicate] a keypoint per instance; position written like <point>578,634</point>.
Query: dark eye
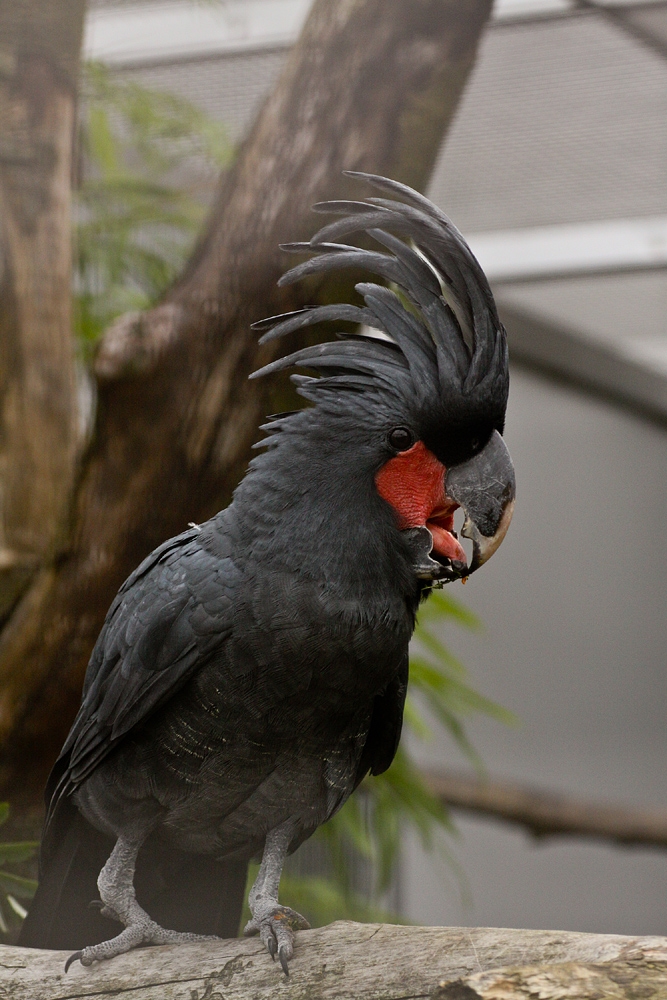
<point>401,438</point>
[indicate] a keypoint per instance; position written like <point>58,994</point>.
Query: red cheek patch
<point>414,484</point>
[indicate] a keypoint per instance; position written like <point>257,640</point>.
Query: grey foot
<point>276,929</point>
<point>143,932</point>
<point>104,911</point>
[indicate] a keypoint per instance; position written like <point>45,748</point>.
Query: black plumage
<point>253,669</point>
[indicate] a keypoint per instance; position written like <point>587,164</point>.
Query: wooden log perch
<point>351,961</point>
<point>549,814</point>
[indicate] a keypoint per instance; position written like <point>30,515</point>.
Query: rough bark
<point>39,55</point>
<point>549,814</point>
<point>348,961</point>
<point>370,85</point>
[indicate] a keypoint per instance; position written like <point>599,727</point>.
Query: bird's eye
<point>401,438</point>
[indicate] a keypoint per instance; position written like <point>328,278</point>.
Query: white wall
<point>575,625</point>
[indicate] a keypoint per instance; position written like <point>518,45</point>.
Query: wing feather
<point>169,618</point>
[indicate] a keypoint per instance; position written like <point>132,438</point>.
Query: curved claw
<point>276,928</point>
<point>74,957</point>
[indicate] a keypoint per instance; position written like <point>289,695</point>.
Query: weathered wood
<point>370,85</point>
<point>349,961</point>
<point>635,979</point>
<point>548,814</point>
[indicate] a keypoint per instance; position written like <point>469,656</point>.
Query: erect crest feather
<point>443,345</point>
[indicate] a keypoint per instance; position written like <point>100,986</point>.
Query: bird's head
<point>419,392</point>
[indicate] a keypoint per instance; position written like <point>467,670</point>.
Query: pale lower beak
<point>485,487</point>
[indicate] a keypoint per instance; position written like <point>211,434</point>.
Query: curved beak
<point>485,487</point>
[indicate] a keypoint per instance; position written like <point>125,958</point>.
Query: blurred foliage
<point>15,889</point>
<point>145,159</point>
<point>136,220</point>
<point>323,898</point>
<point>370,824</point>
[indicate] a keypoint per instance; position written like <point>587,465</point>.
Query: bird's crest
<point>433,334</point>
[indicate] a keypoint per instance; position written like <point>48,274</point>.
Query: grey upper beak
<point>485,487</point>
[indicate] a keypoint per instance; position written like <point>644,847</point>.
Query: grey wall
<point>575,623</point>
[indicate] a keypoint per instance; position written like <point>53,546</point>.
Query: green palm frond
<point>12,885</point>
<point>138,206</point>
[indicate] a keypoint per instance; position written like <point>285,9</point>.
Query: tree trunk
<point>39,61</point>
<point>371,85</point>
<point>348,961</point>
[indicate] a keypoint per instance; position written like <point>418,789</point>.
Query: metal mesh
<point>564,120</point>
<point>230,88</point>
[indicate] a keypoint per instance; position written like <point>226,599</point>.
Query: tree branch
<point>348,961</point>
<point>371,85</point>
<point>548,814</point>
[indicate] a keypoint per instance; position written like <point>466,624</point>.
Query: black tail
<point>185,892</point>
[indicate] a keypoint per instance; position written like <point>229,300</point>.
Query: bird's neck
<point>326,522</point>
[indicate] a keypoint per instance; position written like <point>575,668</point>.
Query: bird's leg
<point>274,923</point>
<point>119,901</point>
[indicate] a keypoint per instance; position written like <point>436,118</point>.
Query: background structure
<point>556,170</point>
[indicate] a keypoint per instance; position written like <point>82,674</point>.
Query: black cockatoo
<point>253,670</point>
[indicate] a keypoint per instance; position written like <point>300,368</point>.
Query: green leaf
<point>442,605</point>
<point>321,901</point>
<point>443,657</point>
<point>413,720</point>
<point>13,853</point>
<point>102,146</point>
<point>23,887</point>
<point>135,220</point>
<point>19,910</point>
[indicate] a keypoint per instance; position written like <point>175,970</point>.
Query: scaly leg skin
<point>274,923</point>
<point>119,902</point>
